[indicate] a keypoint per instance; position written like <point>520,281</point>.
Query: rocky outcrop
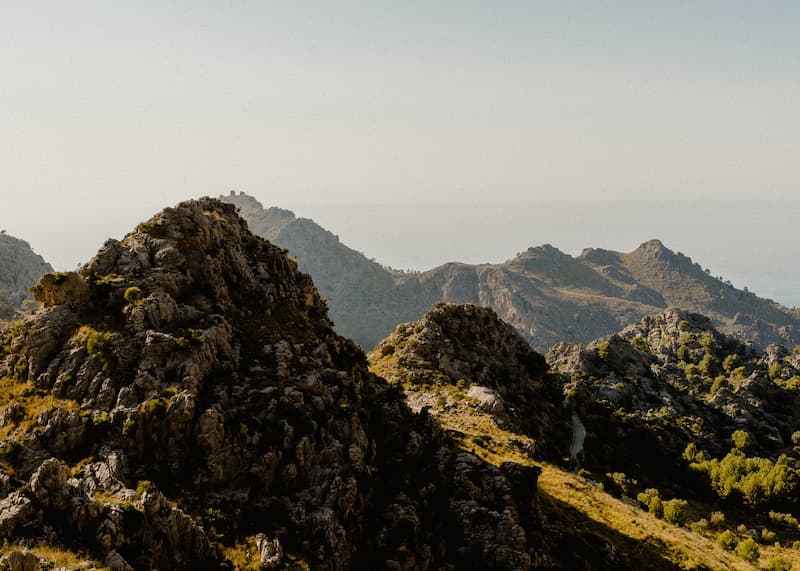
<point>20,268</point>
<point>462,359</point>
<point>547,295</point>
<point>185,404</point>
<point>670,380</point>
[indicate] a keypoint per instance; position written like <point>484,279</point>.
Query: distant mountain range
<point>20,267</point>
<point>547,295</point>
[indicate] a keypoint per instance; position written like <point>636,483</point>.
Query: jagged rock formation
<point>463,362</point>
<point>182,402</point>
<point>356,289</point>
<point>547,295</point>
<point>20,267</point>
<point>672,380</point>
<point>669,407</point>
<point>494,395</point>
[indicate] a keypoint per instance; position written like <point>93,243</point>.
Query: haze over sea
<point>751,243</point>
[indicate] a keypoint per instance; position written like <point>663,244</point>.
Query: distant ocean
<point>752,244</point>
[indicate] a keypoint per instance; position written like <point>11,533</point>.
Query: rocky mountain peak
<point>543,252</point>
<point>268,223</point>
<point>181,402</point>
<point>177,356</point>
<point>467,342</point>
<point>655,250</point>
<point>469,355</point>
<point>20,267</point>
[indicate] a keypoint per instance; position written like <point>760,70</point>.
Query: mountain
<point>182,402</point>
<point>547,295</point>
<point>667,422</point>
<point>20,267</point>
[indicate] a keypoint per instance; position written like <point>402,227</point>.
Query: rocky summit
<point>20,268</point>
<point>466,365</point>
<point>182,402</point>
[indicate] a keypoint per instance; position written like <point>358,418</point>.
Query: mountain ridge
<point>20,267</point>
<point>548,295</point>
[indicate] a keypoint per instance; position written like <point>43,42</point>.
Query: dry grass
<point>33,403</point>
<point>574,500</point>
<point>681,546</point>
<point>58,558</point>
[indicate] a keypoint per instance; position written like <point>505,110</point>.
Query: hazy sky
<point>112,109</point>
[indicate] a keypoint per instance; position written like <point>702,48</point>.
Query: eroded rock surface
<point>187,405</point>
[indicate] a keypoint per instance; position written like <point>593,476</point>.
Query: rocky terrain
<point>462,362</point>
<point>668,412</point>
<point>182,402</point>
<point>673,379</point>
<point>547,295</point>
<point>20,267</point>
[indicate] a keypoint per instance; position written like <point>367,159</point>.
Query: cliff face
<point>182,402</point>
<point>548,296</point>
<point>20,267</point>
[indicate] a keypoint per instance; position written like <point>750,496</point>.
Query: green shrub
<point>644,499</point>
<point>757,481</point>
<point>718,383</point>
<point>740,439</point>
<point>656,507</point>
<point>716,519</point>
<point>708,366</point>
<point>604,350</point>
<point>133,295</point>
<point>155,406</point>
<point>707,341</point>
<point>641,344</point>
<point>785,519</point>
<point>8,447</point>
<point>145,486</point>
<point>730,362</point>
<point>648,498</point>
<point>748,550</point>
<point>675,511</point>
<point>619,483</point>
<point>98,342</point>
<point>60,277</point>
<point>727,540</point>
<point>692,372</point>
<point>767,536</point>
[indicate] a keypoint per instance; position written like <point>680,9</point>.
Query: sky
<point>111,110</point>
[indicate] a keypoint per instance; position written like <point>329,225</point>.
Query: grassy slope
<point>573,502</point>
